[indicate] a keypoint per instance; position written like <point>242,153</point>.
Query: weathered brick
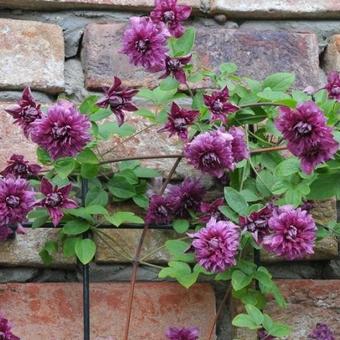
<point>263,9</point>
<point>257,53</point>
<point>332,54</point>
<point>135,5</point>
<point>54,311</point>
<point>12,139</point>
<point>122,245</point>
<point>24,250</point>
<point>31,54</point>
<point>309,302</point>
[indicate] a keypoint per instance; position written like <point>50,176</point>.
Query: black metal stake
<point>86,275</point>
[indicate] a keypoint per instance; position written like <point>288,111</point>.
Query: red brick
<point>257,53</point>
<point>88,4</point>
<point>31,54</point>
<point>332,54</point>
<point>324,9</point>
<point>54,311</point>
<point>309,302</point>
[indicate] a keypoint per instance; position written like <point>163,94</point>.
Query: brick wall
<point>71,47</point>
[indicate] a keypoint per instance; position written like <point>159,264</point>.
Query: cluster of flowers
<point>17,197</point>
<point>5,330</point>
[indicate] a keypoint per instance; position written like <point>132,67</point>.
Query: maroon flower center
<point>174,65</point>
<point>29,114</point>
<point>210,159</point>
<point>143,46</point>
<point>20,169</point>
<point>116,101</point>
<point>12,201</point>
<point>162,211</point>
<point>335,90</point>
<point>214,243</point>
<point>303,128</point>
<point>53,200</point>
<point>217,105</point>
<point>180,123</point>
<point>60,132</point>
<point>291,233</point>
<point>169,16</point>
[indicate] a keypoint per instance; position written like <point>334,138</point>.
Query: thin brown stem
<point>138,157</point>
<point>271,149</point>
<point>260,104</point>
<point>219,311</point>
<point>171,173</point>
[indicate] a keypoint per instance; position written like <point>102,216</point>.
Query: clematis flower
<point>64,132</point>
<point>16,200</point>
<point>174,333</point>
<point>168,12</point>
<point>5,330</point>
<point>26,111</point>
<point>216,245</point>
<point>55,200</point>
<point>333,85</point>
<point>292,233</point>
<point>263,335</point>
<point>210,210</point>
<point>179,120</point>
<point>159,210</point>
<point>19,167</point>
<point>219,105</point>
<point>5,232</point>
<point>257,222</point>
<point>211,152</point>
<point>185,197</point>
<point>174,67</point>
<point>238,144</point>
<point>119,98</point>
<point>144,43</point>
<point>321,332</point>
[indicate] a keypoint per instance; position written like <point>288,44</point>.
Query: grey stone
<point>56,275</point>
<point>74,80</point>
<point>332,269</point>
<point>296,270</point>
<point>17,274</point>
<point>9,96</point>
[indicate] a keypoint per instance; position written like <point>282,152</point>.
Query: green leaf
<point>96,196</point>
<point>110,129</point>
<point>275,96</point>
<point>168,84</point>
<point>240,280</point>
<point>183,45</point>
<point>279,330</point>
<point>181,226</point>
<point>85,250</point>
<point>89,170</point>
<point>87,156</point>
<point>43,156</point>
<point>287,167</point>
<point>69,246</point>
<point>325,186</point>
<point>146,172</point>
<point>88,106</point>
<point>235,200</point>
<point>225,276</point>
<point>143,112</point>
<point>141,200</point>
<point>64,167</point>
<point>228,68</point>
<point>255,314</point>
<point>177,250</point>
<point>100,114</point>
<point>76,227</point>
<point>226,211</point>
<point>181,272</point>
<point>245,321</point>
<point>122,217</point>
<point>279,81</point>
<point>121,188</point>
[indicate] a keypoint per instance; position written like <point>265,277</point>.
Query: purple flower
<point>64,132</point>
<point>19,167</point>
<point>216,245</point>
<point>16,200</point>
<point>292,233</point>
<point>333,85</point>
<point>219,106</point>
<point>318,153</point>
<point>119,99</point>
<point>159,210</point>
<point>174,333</point>
<point>321,332</point>
<point>144,43</point>
<point>174,67</point>
<point>185,197</point>
<point>210,210</point>
<point>26,111</point>
<point>5,232</point>
<point>178,121</point>
<point>238,144</point>
<point>168,12</point>
<point>257,222</point>
<point>263,335</point>
<point>5,330</point>
<point>211,152</point>
<point>55,200</point>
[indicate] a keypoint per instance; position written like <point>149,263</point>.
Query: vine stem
<point>136,259</point>
<point>260,104</point>
<point>219,311</point>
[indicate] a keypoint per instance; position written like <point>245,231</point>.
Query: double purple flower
<point>5,330</point>
<point>333,85</point>
<point>174,333</point>
<point>19,167</point>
